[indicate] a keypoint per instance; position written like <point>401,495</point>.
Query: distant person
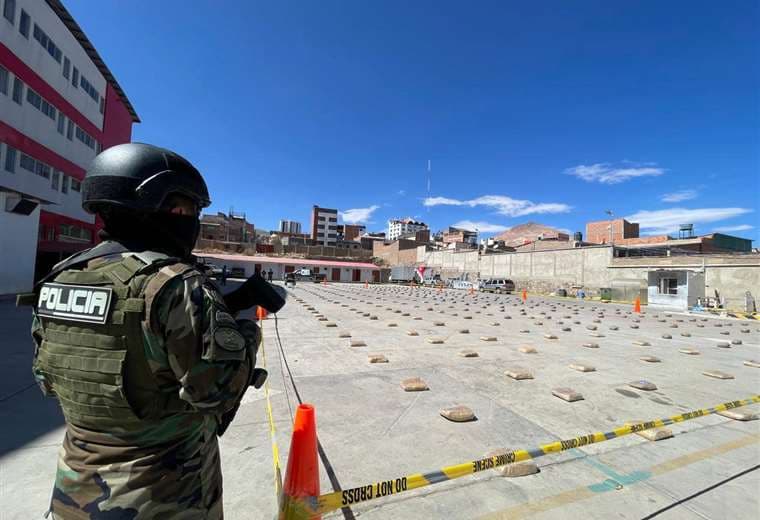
<point>224,275</point>
<point>151,368</point>
<point>269,274</point>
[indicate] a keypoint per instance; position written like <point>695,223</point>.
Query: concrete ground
<point>372,430</point>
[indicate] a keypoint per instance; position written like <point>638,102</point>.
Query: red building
<point>60,105</point>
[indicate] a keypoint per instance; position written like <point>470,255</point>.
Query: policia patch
<point>74,302</point>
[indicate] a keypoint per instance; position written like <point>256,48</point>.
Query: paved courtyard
<point>372,430</point>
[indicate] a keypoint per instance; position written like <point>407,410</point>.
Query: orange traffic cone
<point>261,313</point>
<point>637,305</point>
<point>525,295</point>
<point>302,475</point>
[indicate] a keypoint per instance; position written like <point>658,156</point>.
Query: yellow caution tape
<point>313,506</point>
<point>270,417</point>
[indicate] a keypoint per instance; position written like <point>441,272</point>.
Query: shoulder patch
<point>82,303</point>
<point>229,339</point>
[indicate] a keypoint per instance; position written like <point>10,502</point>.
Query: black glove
<point>255,291</point>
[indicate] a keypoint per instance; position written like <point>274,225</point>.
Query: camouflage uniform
<point>165,463</point>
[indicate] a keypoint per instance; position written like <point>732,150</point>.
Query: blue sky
<point>545,111</point>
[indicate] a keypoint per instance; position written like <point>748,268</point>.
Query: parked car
<point>497,285</point>
<point>309,275</point>
<point>433,280</point>
<point>210,269</point>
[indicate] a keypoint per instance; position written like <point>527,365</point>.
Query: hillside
<point>529,232</point>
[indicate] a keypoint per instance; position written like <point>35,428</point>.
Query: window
<point>84,137</point>
<point>75,184</point>
<point>47,44</point>
<point>33,98</point>
<point>87,87</point>
<point>4,77</point>
<point>75,78</point>
<point>10,159</point>
<point>102,104</point>
<point>333,219</point>
<point>668,286</point>
<point>66,67</point>
<point>18,90</point>
<point>65,184</point>
<point>61,123</point>
<point>23,24</point>
<point>75,232</point>
<point>43,170</point>
<point>9,10</point>
<point>48,109</point>
<point>40,104</point>
<point>70,130</point>
<point>321,219</point>
<point>55,180</point>
<point>27,163</point>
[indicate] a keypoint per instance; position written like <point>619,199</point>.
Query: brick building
<point>227,228</point>
<point>350,232</point>
<point>604,231</point>
<point>398,252</point>
<point>455,235</point>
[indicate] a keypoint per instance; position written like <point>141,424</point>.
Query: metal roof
<point>286,260</point>
<point>89,48</point>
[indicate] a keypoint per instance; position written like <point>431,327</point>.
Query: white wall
<point>278,270</point>
<point>67,204</point>
<point>18,248</point>
<point>38,59</point>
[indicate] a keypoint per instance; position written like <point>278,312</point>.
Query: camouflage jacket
<point>167,467</point>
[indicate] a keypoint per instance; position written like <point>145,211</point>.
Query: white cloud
<point>605,173</point>
<point>678,196</point>
<point>665,221</point>
<point>482,227</point>
<point>401,192</point>
<point>731,229</point>
<point>442,201</point>
<point>358,215</point>
<point>502,204</point>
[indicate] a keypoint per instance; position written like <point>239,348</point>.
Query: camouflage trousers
<point>97,481</point>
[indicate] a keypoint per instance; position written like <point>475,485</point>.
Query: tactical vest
<point>92,352</point>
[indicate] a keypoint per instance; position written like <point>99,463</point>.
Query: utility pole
<point>612,236</point>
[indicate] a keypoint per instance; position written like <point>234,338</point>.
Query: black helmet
<point>138,177</point>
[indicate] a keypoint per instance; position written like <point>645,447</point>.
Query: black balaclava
<point>160,231</point>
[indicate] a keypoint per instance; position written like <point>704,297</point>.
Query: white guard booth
<point>676,290</point>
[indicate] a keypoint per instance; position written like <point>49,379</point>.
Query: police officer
<point>140,349</point>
